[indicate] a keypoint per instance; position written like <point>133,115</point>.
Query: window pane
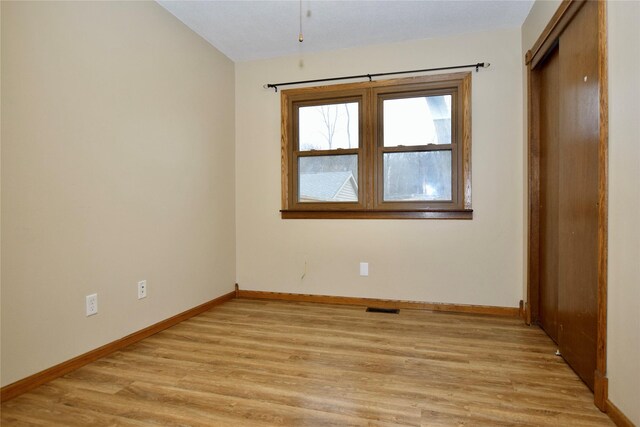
<point>417,176</point>
<point>417,121</point>
<point>328,179</point>
<point>328,127</point>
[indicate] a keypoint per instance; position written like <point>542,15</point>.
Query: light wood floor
<point>260,363</point>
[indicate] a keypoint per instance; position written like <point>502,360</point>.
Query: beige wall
<point>117,148</point>
<point>623,345</point>
<point>538,18</point>
<point>623,327</point>
<point>470,262</point>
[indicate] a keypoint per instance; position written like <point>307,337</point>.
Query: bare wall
<point>117,148</point>
<point>623,315</point>
<point>469,262</point>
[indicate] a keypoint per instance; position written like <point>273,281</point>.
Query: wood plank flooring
<point>265,363</point>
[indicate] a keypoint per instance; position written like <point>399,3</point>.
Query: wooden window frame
<point>294,154</point>
<point>370,151</point>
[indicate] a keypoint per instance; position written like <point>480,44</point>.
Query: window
<point>385,149</point>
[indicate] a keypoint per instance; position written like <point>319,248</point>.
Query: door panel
<point>578,191</point>
<point>549,169</point>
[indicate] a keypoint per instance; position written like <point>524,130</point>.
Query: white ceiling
<point>248,30</point>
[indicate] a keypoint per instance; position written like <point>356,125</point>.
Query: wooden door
<point>549,115</point>
<point>578,192</point>
<point>568,187</point>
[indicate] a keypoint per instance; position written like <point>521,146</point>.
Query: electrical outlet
<point>142,289</point>
<point>92,304</point>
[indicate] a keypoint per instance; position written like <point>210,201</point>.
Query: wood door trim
<point>533,172</point>
<point>382,303</point>
<point>551,33</point>
<point>549,200</point>
<point>22,386</point>
<point>546,41</point>
<point>603,205</point>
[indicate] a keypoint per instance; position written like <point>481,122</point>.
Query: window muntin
<point>399,168</point>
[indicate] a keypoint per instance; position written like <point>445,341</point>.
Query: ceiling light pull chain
<point>300,36</point>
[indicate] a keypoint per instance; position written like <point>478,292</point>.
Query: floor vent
<point>383,310</point>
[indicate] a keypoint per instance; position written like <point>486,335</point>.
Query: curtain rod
<point>477,66</point>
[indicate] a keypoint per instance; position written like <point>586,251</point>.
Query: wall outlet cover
<point>142,289</point>
<point>92,304</point>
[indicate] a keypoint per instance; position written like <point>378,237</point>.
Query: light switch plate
<point>364,268</point>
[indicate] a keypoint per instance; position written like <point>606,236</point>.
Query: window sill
<point>381,214</point>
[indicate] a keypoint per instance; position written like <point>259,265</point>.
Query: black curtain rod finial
<point>483,65</point>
